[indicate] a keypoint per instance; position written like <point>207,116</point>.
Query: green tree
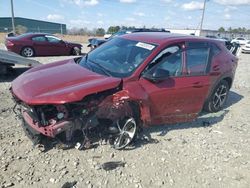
<point>20,29</point>
<point>113,29</point>
<point>221,29</point>
<point>100,31</point>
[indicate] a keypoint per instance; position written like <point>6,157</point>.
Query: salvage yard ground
<point>212,151</point>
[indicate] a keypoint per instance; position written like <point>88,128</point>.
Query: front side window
<point>169,60</point>
<point>171,63</point>
<point>118,57</point>
<point>53,39</point>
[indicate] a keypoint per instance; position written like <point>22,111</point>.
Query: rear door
<point>179,97</point>
<point>40,45</point>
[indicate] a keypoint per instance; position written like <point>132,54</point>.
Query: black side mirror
<point>157,75</point>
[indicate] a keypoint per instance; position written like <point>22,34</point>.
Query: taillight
<point>9,43</point>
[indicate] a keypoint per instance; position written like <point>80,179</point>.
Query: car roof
<point>160,38</point>
<point>25,35</point>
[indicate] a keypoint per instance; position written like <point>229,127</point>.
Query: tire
<point>218,97</point>
<point>127,132</point>
<point>28,52</point>
<point>76,51</point>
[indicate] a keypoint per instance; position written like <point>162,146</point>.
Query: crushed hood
<point>59,83</point>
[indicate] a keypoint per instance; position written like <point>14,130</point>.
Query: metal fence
<point>229,35</point>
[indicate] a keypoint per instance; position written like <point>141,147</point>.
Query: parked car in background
<point>41,44</point>
<point>240,40</point>
<point>246,48</point>
<point>132,81</point>
<point>94,42</point>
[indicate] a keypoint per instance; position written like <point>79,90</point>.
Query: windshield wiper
<point>103,69</point>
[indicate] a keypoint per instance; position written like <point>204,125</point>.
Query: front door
<point>180,96</point>
<point>57,46</point>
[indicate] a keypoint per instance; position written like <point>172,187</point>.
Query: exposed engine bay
<point>103,116</point>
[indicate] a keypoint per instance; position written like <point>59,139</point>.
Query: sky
<point>174,14</point>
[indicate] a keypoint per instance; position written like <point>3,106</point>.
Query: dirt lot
<point>213,151</point>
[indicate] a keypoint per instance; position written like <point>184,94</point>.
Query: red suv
<point>132,81</point>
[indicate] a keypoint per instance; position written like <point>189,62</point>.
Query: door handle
<point>216,68</point>
<point>197,84</point>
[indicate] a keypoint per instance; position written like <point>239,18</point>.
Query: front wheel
<point>27,52</point>
<point>76,51</point>
<point>218,97</point>
<point>127,131</point>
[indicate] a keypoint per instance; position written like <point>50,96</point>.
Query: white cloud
<point>141,14</point>
<point>233,2</point>
<point>167,18</point>
<point>230,8</point>
<point>79,23</point>
<point>99,14</point>
<point>100,22</point>
<point>167,1</point>
<point>127,1</point>
<point>55,17</point>
<point>85,2</point>
<point>130,19</point>
<point>193,5</point>
<point>227,16</point>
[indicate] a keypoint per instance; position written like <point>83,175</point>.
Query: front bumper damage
<point>97,119</point>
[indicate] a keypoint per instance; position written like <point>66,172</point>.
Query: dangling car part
<point>128,83</point>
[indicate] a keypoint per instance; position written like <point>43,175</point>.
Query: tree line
<point>113,29</point>
<point>242,30</point>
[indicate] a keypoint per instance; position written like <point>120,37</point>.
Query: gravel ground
<point>197,154</point>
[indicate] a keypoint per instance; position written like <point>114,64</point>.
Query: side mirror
<point>157,75</point>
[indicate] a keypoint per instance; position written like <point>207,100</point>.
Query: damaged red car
<point>133,81</point>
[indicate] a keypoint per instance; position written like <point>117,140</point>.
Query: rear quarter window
<point>215,49</point>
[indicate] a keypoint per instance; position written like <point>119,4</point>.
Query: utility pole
<point>61,29</point>
<point>202,18</point>
<point>12,17</point>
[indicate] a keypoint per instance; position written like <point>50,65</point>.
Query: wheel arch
<point>229,80</point>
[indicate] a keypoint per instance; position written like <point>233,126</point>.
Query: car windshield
<point>118,57</point>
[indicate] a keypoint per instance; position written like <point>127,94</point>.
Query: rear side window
<point>215,49</point>
<point>39,39</point>
<point>197,60</point>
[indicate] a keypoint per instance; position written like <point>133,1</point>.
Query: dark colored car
<point>133,81</point>
<point>95,42</point>
<point>41,44</point>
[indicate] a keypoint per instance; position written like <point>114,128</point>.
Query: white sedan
<point>240,40</point>
<point>246,48</point>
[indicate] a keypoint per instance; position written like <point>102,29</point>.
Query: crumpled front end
<point>103,116</point>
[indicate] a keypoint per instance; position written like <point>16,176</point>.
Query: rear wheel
<point>27,52</point>
<point>218,97</point>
